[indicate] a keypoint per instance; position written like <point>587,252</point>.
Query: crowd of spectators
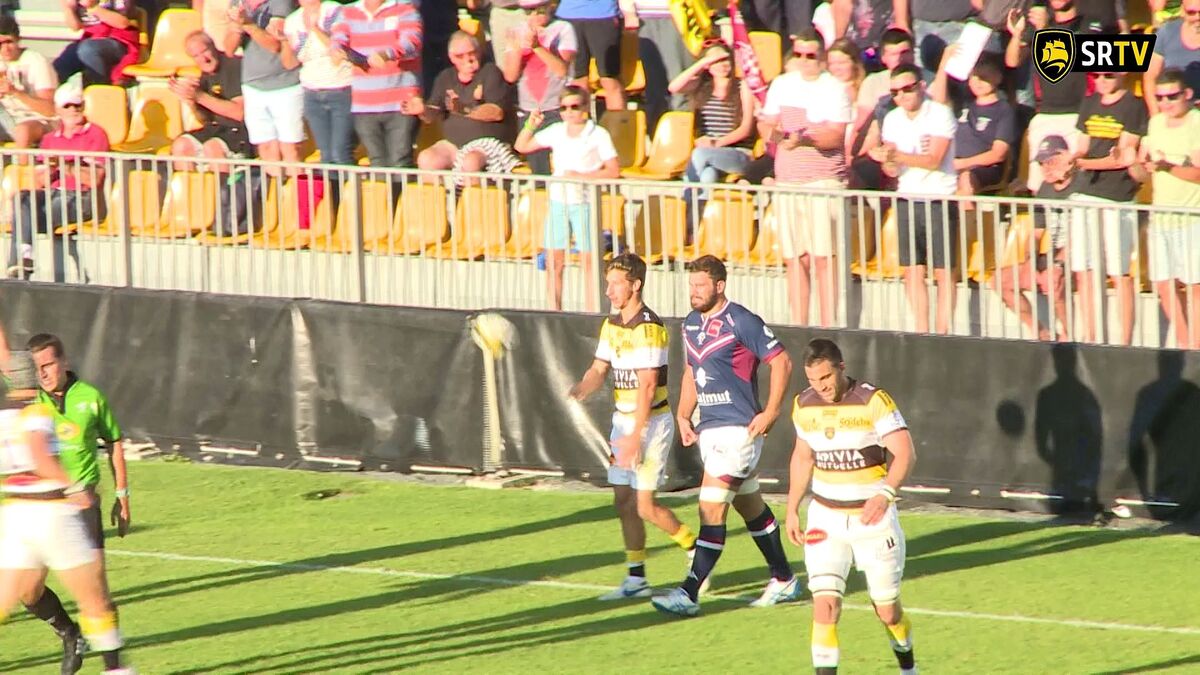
<point>863,101</point>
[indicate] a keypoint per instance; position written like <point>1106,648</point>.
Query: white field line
<point>495,581</point>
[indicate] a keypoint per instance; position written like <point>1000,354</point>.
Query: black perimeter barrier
<point>997,424</point>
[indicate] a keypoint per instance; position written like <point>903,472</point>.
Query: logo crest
<point>1054,53</point>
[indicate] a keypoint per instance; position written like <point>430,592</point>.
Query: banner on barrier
<point>326,385</point>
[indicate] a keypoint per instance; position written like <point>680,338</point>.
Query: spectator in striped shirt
<point>806,114</point>
<point>383,39</point>
<point>724,109</point>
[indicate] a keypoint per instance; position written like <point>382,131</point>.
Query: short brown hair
<point>710,265</point>
<point>581,92</point>
<point>45,341</point>
<point>1172,76</point>
<point>631,264</point>
<point>821,349</point>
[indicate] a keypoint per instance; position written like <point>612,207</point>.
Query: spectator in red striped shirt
<point>383,39</point>
<point>807,113</point>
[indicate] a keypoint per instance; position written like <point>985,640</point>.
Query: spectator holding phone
<point>806,114</point>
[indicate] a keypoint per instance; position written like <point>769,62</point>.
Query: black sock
<point>827,670</point>
<point>906,659</point>
<point>112,660</point>
<point>637,571</point>
<point>765,531</point>
<point>709,545</point>
<point>49,608</point>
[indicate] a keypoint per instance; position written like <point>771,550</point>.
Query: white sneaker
<point>676,602</point>
<point>631,587</point>
<point>779,591</point>
<point>704,586</point>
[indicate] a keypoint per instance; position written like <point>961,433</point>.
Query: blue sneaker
<point>779,591</point>
<point>676,602</point>
<point>631,587</point>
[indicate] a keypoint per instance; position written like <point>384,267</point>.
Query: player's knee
<point>647,508</point>
<point>712,512</point>
<point>889,613</point>
<point>827,608</point>
<point>29,596</point>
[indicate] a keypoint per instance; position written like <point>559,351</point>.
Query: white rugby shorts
<point>43,535</point>
<point>833,539</point>
<point>656,448</point>
<point>729,452</point>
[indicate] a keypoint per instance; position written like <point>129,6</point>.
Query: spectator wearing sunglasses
<point>67,189</point>
<point>1178,46</point>
<point>1111,124</point>
<point>806,115</point>
<point>1170,157</point>
<point>539,63</point>
<point>918,148</point>
<point>581,150</point>
<point>27,83</point>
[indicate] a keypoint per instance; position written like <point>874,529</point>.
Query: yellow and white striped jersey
<point>16,459</point>
<point>847,441</point>
<point>629,347</point>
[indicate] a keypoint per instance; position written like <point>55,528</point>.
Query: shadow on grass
<point>226,577</point>
<point>1153,667</point>
<point>518,630</point>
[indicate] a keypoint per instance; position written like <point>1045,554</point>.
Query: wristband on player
<point>122,493</point>
<point>888,492</point>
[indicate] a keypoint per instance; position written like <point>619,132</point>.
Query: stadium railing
<point>409,237</point>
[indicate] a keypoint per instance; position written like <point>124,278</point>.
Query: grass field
<point>232,570</point>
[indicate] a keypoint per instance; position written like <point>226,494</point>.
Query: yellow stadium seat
<point>141,205</point>
<point>660,229</point>
<point>628,131</point>
<point>189,208</point>
<point>270,220</point>
<point>167,53</point>
<point>480,224</point>
<point>977,229</point>
<point>768,47</point>
<point>633,75</point>
<point>862,233</point>
<point>885,263</point>
<point>612,214</point>
<point>669,151</point>
<point>766,245</point>
<point>156,120</point>
<point>528,229</point>
<point>371,208</point>
<point>727,224</point>
<point>105,104</point>
<point>285,233</point>
<point>420,222</point>
<point>142,21</point>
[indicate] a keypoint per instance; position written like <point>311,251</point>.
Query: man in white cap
<point>64,183</point>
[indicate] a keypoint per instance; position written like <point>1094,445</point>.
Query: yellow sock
<point>825,651</point>
<point>900,634</point>
<point>684,537</point>
<point>635,557</point>
<point>101,631</point>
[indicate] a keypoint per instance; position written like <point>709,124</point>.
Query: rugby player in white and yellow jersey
<point>845,430</point>
<point>633,345</point>
<point>41,518</point>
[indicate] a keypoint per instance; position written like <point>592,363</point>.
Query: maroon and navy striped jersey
<point>724,351</point>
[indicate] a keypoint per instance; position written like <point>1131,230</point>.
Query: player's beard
<point>704,306</point>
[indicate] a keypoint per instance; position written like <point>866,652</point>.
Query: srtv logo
<point>1057,52</point>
